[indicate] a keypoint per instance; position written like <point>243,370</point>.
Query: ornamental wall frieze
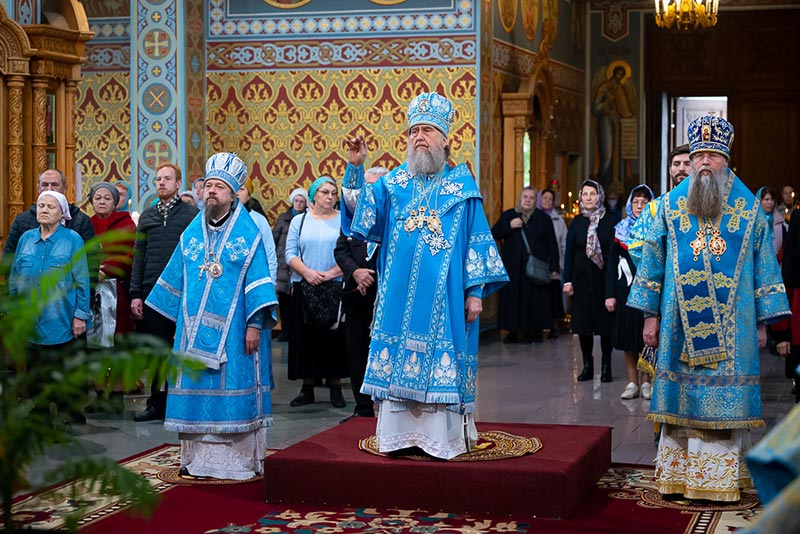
<point>461,18</point>
<point>110,30</point>
<point>513,59</point>
<point>567,77</point>
<point>108,57</point>
<point>343,53</point>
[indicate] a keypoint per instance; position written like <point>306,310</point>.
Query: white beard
<point>705,193</point>
<point>425,162</point>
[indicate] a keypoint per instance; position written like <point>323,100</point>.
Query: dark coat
<point>589,314</point>
<point>155,243</point>
<point>351,254</point>
<point>524,306</point>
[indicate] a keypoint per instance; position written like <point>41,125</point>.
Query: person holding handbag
<point>525,231</point>
<point>316,343</point>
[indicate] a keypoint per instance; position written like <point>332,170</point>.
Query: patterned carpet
<point>625,497</point>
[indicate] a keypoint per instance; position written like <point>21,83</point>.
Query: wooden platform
<point>328,468</point>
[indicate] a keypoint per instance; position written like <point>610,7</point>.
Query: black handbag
<point>536,270</point>
<point>321,303</point>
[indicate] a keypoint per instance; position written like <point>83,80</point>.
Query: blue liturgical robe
<point>707,371</point>
<point>422,349</point>
<point>233,393</point>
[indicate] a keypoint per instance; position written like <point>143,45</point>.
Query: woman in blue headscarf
<point>316,348</point>
<point>774,217</point>
<point>627,325</point>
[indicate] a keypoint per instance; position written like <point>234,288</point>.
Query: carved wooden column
<point>16,204</point>
<point>39,86</point>
<point>517,109</point>
<point>71,90</point>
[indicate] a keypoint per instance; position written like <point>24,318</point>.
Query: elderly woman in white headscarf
<point>298,202</point>
<point>43,250</point>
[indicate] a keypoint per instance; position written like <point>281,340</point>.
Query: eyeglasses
<point>713,156</point>
<point>331,192</point>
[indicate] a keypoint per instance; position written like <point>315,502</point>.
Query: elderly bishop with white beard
<point>436,263</point>
<point>708,283</point>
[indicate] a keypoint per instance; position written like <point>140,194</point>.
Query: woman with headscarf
<point>588,244</point>
<point>627,326</point>
<point>117,256</point>
<point>546,203</point>
<point>524,307</point>
<point>298,202</point>
<point>316,344</point>
<point>65,308</point>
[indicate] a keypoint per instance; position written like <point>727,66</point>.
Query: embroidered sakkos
<point>423,350</point>
<point>707,375</point>
<point>233,393</point>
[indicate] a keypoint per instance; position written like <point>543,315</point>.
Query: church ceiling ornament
<point>549,23</point>
<point>287,4</point>
<point>460,18</point>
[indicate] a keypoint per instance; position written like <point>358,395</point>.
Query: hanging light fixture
<point>686,14</point>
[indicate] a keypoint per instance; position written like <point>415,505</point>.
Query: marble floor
<point>516,383</point>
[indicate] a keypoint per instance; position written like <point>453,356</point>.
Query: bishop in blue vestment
<point>708,283</point>
<point>436,262</point>
<point>217,287</point>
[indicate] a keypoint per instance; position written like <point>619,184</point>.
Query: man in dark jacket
<point>54,180</point>
<point>159,230</point>
<point>357,260</point>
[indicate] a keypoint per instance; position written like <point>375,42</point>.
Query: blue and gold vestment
<point>233,393</point>
<point>707,373</point>
<point>422,349</point>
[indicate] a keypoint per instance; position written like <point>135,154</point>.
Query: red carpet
<point>614,506</point>
<point>329,469</point>
<point>621,502</point>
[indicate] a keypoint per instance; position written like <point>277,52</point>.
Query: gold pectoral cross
<point>417,220</point>
<point>698,244</point>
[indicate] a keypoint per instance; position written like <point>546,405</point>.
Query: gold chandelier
<point>686,14</point>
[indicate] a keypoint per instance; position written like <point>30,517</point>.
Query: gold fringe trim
<point>707,425</point>
<point>698,493</point>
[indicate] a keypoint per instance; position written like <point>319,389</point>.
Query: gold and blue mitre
<point>432,109</point>
<point>710,134</point>
<point>227,167</point>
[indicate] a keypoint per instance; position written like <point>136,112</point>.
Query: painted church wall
<point>286,104</point>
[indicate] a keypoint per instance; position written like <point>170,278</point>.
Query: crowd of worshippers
<point>385,285</point>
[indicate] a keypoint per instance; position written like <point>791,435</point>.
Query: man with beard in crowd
<point>436,262</point>
<point>157,235</point>
<point>678,169</point>
<point>708,283</point>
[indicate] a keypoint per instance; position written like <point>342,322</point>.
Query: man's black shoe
<point>151,413</point>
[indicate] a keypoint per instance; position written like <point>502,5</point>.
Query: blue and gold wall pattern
<point>155,84</point>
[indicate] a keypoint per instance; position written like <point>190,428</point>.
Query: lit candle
<point>129,205</point>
